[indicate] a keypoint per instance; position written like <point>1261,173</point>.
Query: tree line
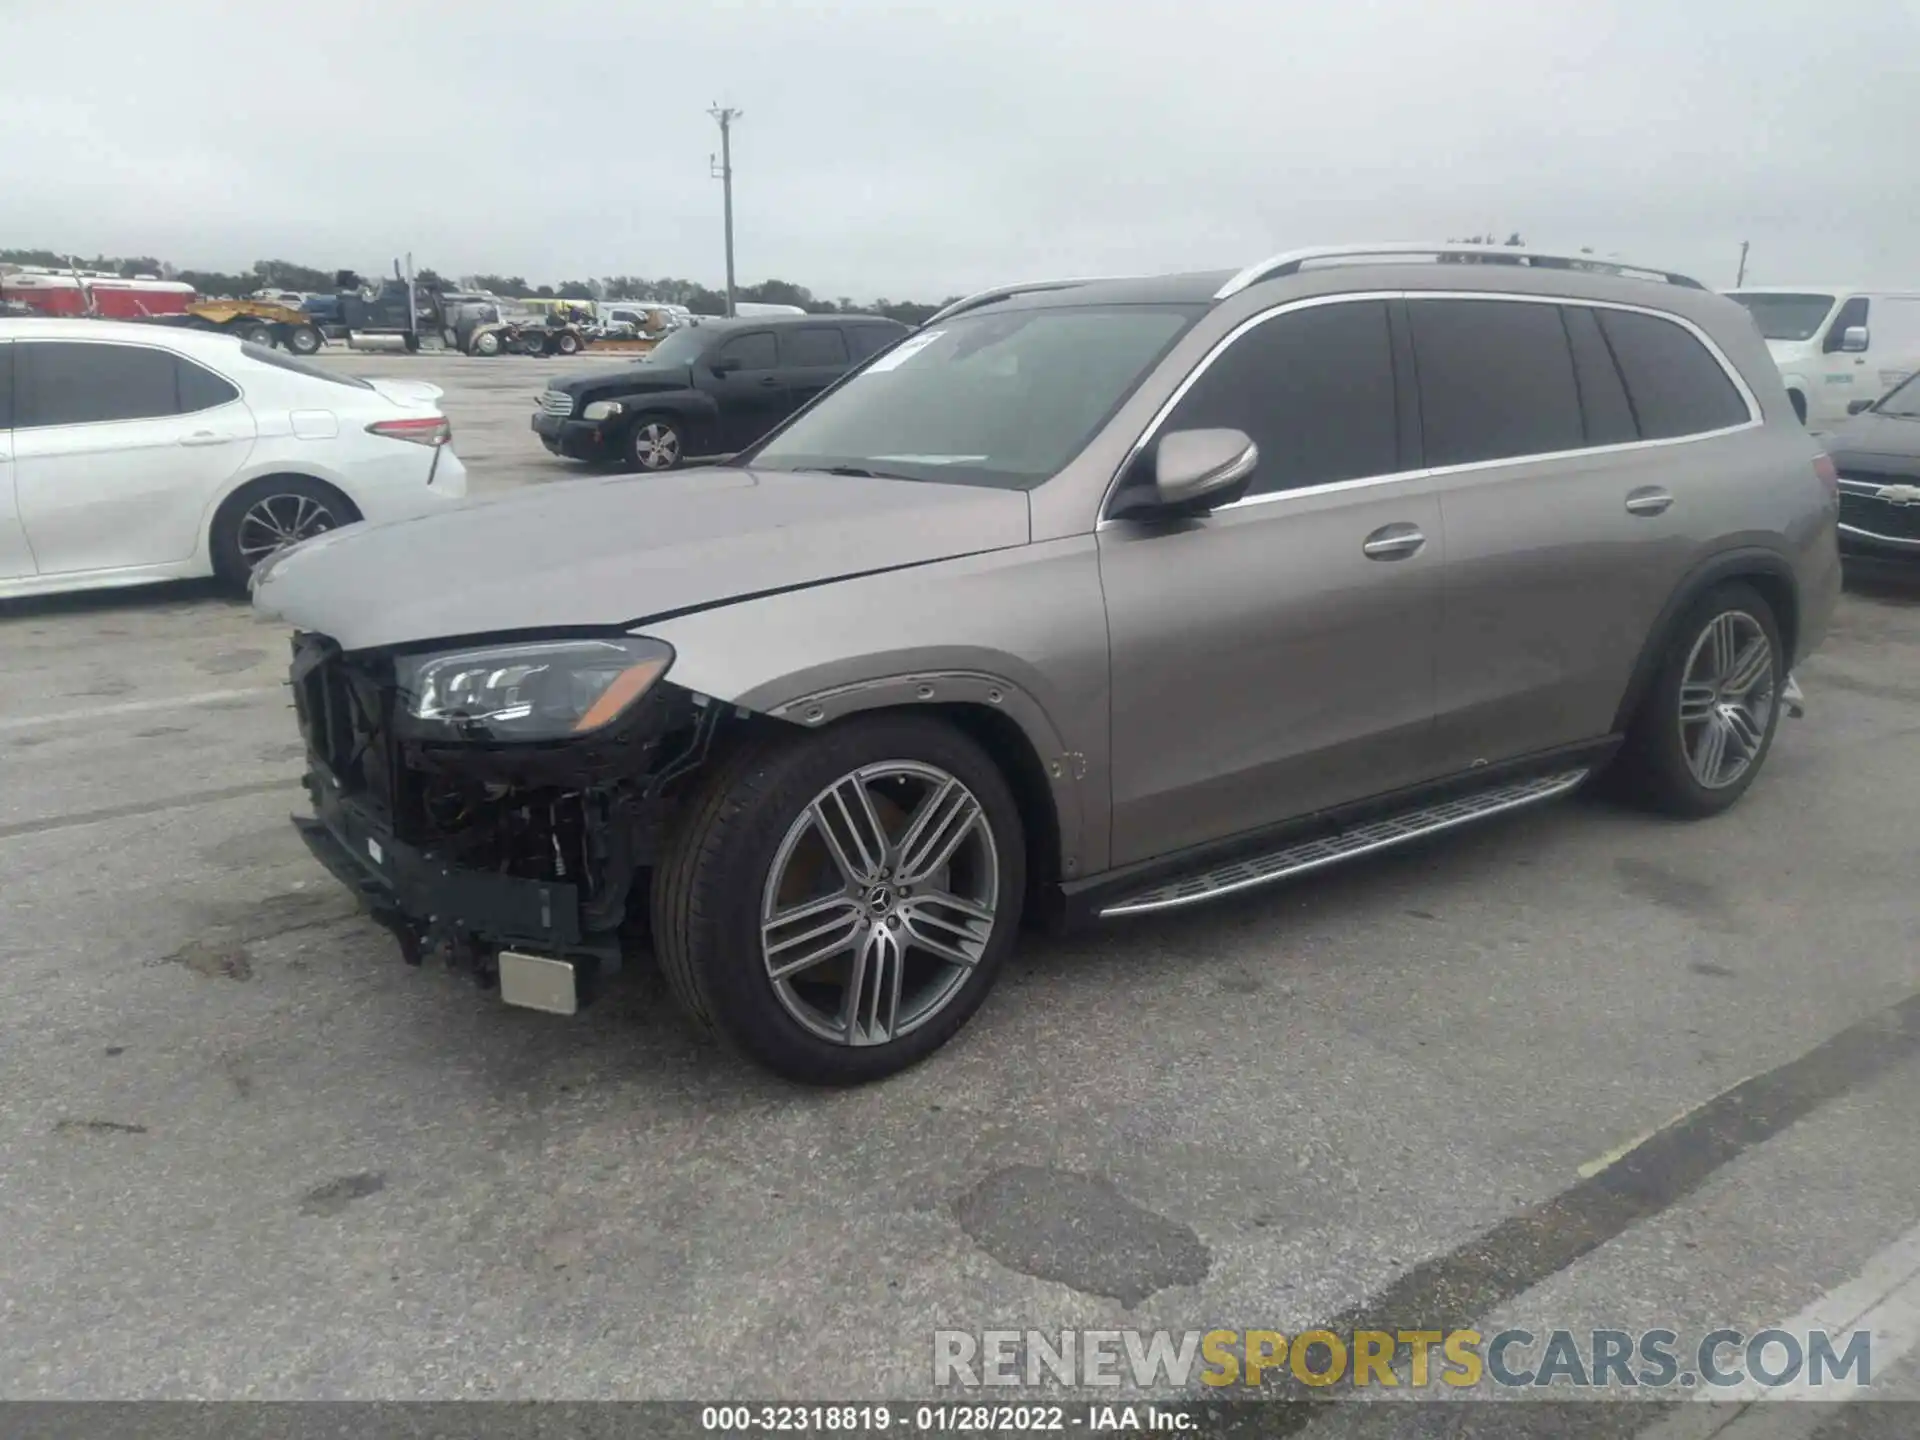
<point>286,275</point>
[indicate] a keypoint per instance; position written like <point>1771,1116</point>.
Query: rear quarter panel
<point>1028,623</point>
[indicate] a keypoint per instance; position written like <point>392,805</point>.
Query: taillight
<point>1829,474</point>
<point>421,430</point>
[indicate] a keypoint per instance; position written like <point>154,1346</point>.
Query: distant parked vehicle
<point>1836,345</point>
<point>1878,455</point>
<point>706,390</point>
<point>142,453</point>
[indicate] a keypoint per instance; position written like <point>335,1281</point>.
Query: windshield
<point>998,398</point>
<point>1787,317</point>
<point>1903,401</point>
<point>682,347</point>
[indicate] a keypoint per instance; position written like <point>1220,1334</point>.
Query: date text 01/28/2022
<point>961,1419</point>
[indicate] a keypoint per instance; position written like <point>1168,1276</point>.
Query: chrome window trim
<point>1753,421</point>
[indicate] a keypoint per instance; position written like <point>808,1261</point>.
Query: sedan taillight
<point>424,430</point>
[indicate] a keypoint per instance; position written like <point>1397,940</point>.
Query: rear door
<point>1893,343</point>
<point>118,449</point>
<point>16,558</point>
<point>1556,433</point>
<point>812,357</point>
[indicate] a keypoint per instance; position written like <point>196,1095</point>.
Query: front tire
<point>1708,722</point>
<point>487,344</point>
<point>655,444</point>
<point>568,344</point>
<point>269,514</point>
<point>836,905</point>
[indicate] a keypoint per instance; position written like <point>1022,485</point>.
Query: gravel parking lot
<point>246,1152</point>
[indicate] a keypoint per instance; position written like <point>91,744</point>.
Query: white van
<point>1838,348</point>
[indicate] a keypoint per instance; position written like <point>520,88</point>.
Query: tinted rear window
<point>202,389</point>
<point>6,385</point>
<point>1603,398</point>
<point>872,339</point>
<point>813,345</point>
<point>1496,380</point>
<point>1676,386</point>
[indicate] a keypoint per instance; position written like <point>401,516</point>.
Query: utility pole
<point>723,172</point>
<point>1741,278</point>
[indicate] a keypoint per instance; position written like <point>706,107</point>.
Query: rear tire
<point>879,1001</point>
<point>254,332</point>
<point>266,514</point>
<point>1708,722</point>
<point>568,344</point>
<point>1799,403</point>
<point>305,340</point>
<point>487,344</point>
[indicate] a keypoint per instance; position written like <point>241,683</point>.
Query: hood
<point>1789,350</point>
<point>1876,442</point>
<point>634,378</point>
<point>586,553</point>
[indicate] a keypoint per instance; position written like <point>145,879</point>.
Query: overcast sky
<point>912,150</point>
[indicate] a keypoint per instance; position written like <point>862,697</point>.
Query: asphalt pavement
<point>1576,1068</point>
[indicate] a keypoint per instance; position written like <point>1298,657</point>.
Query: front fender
<point>695,409</point>
<point>1020,632</point>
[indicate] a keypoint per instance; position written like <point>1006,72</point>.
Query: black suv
<point>706,391</point>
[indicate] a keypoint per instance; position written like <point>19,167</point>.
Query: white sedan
<point>131,453</point>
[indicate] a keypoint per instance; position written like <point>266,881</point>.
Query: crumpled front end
<point>464,850</point>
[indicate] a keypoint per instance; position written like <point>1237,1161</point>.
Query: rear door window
<point>1675,384</point>
<point>1314,388</point>
<point>81,382</point>
<point>6,384</point>
<point>871,339</point>
<point>1603,395</point>
<point>1496,380</point>
<point>809,347</point>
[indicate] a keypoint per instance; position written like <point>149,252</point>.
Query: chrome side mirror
<point>1853,340</point>
<point>1195,470</point>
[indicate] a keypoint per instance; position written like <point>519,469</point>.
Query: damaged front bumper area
<point>511,861</point>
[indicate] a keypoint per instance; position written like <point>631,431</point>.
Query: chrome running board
<point>1326,850</point>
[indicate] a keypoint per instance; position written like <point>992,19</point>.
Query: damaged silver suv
<point>1085,599</point>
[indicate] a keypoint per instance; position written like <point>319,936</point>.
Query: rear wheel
<point>654,443</point>
<point>255,332</point>
<point>270,514</point>
<point>1706,725</point>
<point>487,343</point>
<point>305,340</point>
<point>1799,403</point>
<point>568,343</point>
<point>838,904</point>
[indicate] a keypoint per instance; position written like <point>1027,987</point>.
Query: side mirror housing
<point>724,367</point>
<point>1859,407</point>
<point>1853,340</point>
<point>1190,472</point>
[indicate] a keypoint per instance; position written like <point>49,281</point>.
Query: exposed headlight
<point>602,410</point>
<point>537,690</point>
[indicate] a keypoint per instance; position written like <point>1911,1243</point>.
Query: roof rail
<point>1292,262</point>
<point>1007,292</point>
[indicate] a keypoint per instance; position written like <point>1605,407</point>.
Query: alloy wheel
<point>880,901</point>
<point>277,521</point>
<point>1727,695</point>
<point>656,446</point>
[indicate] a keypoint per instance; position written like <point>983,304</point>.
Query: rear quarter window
<point>1675,384</point>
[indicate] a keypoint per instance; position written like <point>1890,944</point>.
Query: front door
<point>118,450</point>
<point>16,559</point>
<point>1276,657</point>
<point>744,379</point>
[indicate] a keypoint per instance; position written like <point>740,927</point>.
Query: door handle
<point>769,382</point>
<point>203,437</point>
<point>1393,542</point>
<point>1648,501</point>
